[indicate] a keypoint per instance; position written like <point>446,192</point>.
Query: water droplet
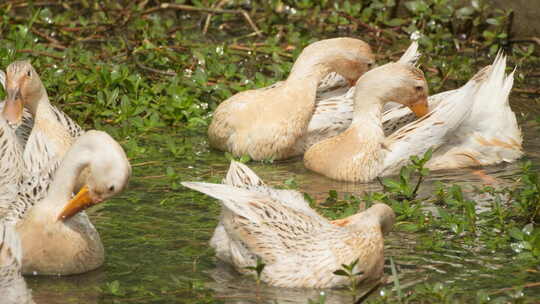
<point>219,50</point>
<point>415,35</point>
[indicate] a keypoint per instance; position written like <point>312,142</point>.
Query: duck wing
<point>490,134</point>
<point>430,131</point>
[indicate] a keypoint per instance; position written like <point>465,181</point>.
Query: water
<point>156,235</point>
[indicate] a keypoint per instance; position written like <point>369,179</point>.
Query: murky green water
<point>156,236</point>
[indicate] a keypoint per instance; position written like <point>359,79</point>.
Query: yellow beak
<point>13,107</point>
<point>78,203</point>
<point>420,108</point>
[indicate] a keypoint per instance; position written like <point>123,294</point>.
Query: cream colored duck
<point>363,152</point>
<point>57,238</point>
<point>488,135</point>
<point>13,289</point>
<point>299,247</point>
<point>52,132</point>
<point>265,123</point>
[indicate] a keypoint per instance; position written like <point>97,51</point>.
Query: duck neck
<point>367,118</point>
<point>66,177</point>
<point>42,102</point>
<point>308,76</point>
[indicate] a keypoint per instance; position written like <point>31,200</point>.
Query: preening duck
<point>299,247</point>
<point>57,238</point>
<point>266,123</point>
<point>455,128</point>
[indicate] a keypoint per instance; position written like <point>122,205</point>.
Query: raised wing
<point>429,131</point>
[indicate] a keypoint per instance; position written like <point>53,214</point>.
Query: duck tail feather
<point>240,175</point>
<point>235,199</point>
<point>411,55</point>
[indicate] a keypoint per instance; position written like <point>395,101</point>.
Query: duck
<point>299,247</point>
<point>265,123</point>
<point>363,152</point>
<point>57,236</point>
<point>13,287</point>
<point>44,131</point>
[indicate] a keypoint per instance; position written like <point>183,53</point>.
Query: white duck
<point>363,152</point>
<point>13,289</point>
<point>265,123</point>
<point>299,247</point>
<point>46,133</point>
<point>488,135</point>
<point>57,238</point>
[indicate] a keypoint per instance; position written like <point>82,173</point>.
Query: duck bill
<point>420,108</point>
<point>78,203</point>
<point>13,107</point>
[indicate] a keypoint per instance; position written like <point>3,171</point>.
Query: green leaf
<point>465,11</point>
<point>516,233</point>
<point>341,272</point>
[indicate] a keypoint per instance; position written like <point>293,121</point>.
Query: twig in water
<point>54,43</point>
<point>147,68</point>
<point>191,8</point>
<point>209,16</point>
<point>41,53</point>
<point>529,285</point>
<point>396,279</point>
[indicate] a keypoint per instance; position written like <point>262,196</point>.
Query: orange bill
<point>420,108</point>
<point>13,107</point>
<point>78,203</point>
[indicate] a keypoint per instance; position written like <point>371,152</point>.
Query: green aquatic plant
<point>258,269</point>
<point>349,272</point>
<point>404,189</point>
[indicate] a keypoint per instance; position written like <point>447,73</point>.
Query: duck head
<point>24,89</point>
<point>401,83</point>
<point>109,172</point>
<point>349,57</point>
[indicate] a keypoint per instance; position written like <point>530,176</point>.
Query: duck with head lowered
<point>266,123</point>
<point>300,248</point>
<point>364,151</point>
<point>57,237</point>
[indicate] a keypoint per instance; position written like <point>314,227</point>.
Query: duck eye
<point>111,188</point>
<point>29,73</point>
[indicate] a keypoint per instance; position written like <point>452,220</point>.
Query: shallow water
<point>156,235</point>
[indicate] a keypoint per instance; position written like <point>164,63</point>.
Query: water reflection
<point>233,288</point>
